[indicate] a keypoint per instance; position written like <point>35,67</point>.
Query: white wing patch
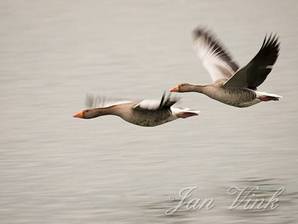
<point>214,58</point>
<point>148,104</point>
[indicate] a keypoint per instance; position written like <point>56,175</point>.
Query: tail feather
<point>263,96</point>
<point>184,112</point>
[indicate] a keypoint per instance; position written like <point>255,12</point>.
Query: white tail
<point>263,96</point>
<point>184,112</point>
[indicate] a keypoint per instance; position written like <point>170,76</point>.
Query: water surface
<point>56,169</point>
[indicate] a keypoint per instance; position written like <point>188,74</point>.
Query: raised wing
<point>215,58</point>
<point>157,105</point>
<point>93,101</point>
<point>257,70</point>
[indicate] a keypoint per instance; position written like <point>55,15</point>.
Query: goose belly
<point>237,97</point>
<point>149,119</point>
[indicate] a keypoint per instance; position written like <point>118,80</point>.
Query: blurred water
<point>56,169</point>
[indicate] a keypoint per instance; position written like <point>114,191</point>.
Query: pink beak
<point>79,114</point>
<point>175,89</point>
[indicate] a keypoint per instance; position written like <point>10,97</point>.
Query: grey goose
<point>147,113</point>
<point>232,85</point>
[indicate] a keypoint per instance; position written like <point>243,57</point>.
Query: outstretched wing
<point>157,105</point>
<point>215,58</point>
<point>257,70</point>
<point>93,101</point>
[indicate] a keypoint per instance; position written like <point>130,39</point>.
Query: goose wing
<point>213,55</point>
<point>257,70</point>
<point>164,104</point>
<point>93,101</point>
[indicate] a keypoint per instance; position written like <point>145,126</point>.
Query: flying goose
<point>147,113</point>
<point>231,85</point>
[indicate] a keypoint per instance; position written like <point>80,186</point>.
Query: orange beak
<point>175,89</point>
<point>79,115</point>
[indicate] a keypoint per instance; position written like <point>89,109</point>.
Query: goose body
<point>146,113</point>
<point>238,97</point>
<point>232,85</point>
<point>234,96</point>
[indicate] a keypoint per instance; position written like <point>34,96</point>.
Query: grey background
<point>57,169</point>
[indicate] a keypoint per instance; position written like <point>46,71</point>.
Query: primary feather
<point>215,58</point>
<point>164,103</point>
<point>93,101</point>
<point>256,71</point>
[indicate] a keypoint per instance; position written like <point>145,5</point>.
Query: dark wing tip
<point>168,100</point>
<point>198,31</point>
<point>261,65</point>
<point>201,31</point>
<point>270,48</point>
<point>215,45</point>
<point>271,42</point>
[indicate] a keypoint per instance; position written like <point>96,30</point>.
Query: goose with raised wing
<point>147,113</point>
<point>232,85</point>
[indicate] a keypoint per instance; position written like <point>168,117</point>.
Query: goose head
<point>186,87</point>
<point>87,114</point>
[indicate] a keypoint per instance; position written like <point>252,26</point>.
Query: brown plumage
<point>147,113</point>
<point>231,85</point>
